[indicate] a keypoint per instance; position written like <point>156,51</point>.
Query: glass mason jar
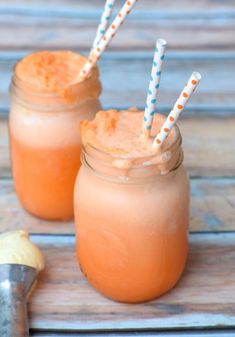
<point>45,143</point>
<point>132,223</point>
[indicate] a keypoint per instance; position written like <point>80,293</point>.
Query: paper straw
<point>153,86</point>
<point>105,17</point>
<point>177,109</point>
<point>107,37</point>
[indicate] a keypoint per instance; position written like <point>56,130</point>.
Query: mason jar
<point>132,222</point>
<point>45,143</point>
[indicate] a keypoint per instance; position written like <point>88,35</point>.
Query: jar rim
<point>60,107</point>
<point>46,93</point>
<point>90,154</point>
<point>69,97</point>
<point>178,137</point>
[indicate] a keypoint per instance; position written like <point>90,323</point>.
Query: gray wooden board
<point>212,209</point>
<point>204,297</point>
<point>199,333</point>
<point>69,25</point>
<point>215,94</point>
<point>208,145</point>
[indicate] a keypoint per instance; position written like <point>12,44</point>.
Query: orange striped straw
<point>107,37</point>
<point>177,109</point>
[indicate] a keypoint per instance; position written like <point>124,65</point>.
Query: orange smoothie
<point>46,110</point>
<point>131,208</point>
<point>37,177</point>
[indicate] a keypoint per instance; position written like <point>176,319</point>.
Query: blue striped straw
<point>105,17</point>
<point>153,86</point>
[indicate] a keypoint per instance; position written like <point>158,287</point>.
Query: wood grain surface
<point>208,142</point>
<point>212,209</point>
<point>68,26</point>
<point>204,297</point>
<point>82,6</point>
<point>214,96</point>
<point>185,333</point>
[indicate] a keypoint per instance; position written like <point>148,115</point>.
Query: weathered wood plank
<point>58,33</point>
<point>209,146</point>
<point>204,298</point>
<point>143,10</point>
<point>188,333</point>
<point>148,5</point>
<point>74,25</point>
<point>212,209</point>
<point>13,216</point>
<point>212,205</point>
<point>215,95</point>
<point>4,149</point>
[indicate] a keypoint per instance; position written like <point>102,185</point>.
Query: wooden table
<point>201,36</point>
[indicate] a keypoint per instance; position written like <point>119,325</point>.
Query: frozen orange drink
<point>131,207</point>
<point>46,110</point>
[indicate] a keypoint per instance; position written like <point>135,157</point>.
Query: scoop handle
<point>13,311</point>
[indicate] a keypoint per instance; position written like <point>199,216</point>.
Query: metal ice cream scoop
<point>16,281</point>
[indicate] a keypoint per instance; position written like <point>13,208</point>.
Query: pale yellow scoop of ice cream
<point>16,248</point>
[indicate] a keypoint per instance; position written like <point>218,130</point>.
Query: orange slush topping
<point>50,70</point>
<point>118,133</point>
